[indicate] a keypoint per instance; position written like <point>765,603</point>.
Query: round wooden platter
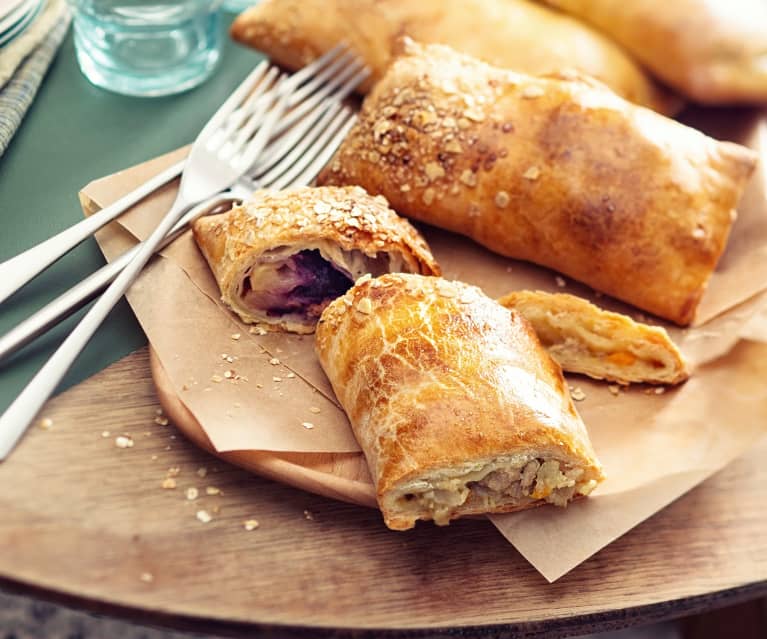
<point>90,523</point>
<point>342,476</point>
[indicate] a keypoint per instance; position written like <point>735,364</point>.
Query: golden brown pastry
<point>556,170</point>
<point>281,257</point>
<point>713,51</point>
<point>584,338</point>
<point>458,408</point>
<point>513,34</point>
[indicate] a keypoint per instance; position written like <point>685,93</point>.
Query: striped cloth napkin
<point>23,64</point>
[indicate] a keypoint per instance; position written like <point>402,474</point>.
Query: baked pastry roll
<point>281,257</point>
<point>584,338</point>
<point>513,34</point>
<point>557,170</point>
<point>714,52</point>
<point>456,405</point>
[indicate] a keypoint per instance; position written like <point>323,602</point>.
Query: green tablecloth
<point>72,134</point>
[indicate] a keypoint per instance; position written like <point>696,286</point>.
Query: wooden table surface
<point>89,523</point>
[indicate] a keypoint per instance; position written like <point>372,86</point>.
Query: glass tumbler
<point>238,6</point>
<point>147,47</point>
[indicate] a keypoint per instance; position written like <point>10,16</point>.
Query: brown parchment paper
<point>254,392</point>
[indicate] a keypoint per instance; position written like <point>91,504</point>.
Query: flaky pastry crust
<point>584,338</point>
<point>556,170</point>
<point>714,52</point>
<point>281,257</point>
<point>458,408</point>
<point>513,34</point>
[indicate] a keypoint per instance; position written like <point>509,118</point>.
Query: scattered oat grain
<point>217,379</point>
<point>212,490</point>
<point>192,493</point>
<point>365,306</point>
<point>502,199</point>
<point>121,441</point>
<point>314,409</point>
<point>533,173</point>
<point>168,483</point>
<point>532,91</point>
<point>46,423</point>
<point>250,524</point>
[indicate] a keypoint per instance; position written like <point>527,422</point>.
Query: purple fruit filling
<point>303,283</point>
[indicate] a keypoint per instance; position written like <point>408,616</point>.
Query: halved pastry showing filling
<point>457,406</point>
<point>503,484</point>
<point>282,257</point>
<point>586,339</point>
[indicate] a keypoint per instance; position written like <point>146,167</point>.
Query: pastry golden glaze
<point>513,34</point>
<point>557,170</point>
<point>458,408</point>
<point>584,338</point>
<point>714,52</point>
<point>281,257</point>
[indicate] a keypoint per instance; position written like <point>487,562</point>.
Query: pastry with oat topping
<point>281,257</point>
<point>512,34</point>
<point>556,170</point>
<point>457,407</point>
<point>584,338</point>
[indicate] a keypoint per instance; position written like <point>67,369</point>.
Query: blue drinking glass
<point>147,47</point>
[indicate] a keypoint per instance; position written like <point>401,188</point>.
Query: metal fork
<point>326,76</point>
<point>219,156</point>
<point>293,160</point>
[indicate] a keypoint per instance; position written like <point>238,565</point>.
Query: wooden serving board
<point>342,476</point>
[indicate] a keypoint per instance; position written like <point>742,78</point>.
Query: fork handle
<point>21,412</point>
<point>83,292</point>
<point>18,270</point>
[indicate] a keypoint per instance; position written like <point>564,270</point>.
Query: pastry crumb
<point>276,379</point>
<point>161,420</point>
<point>212,490</point>
<point>577,394</point>
<point>105,434</point>
<point>614,389</point>
<point>168,483</point>
<point>46,423</point>
<point>217,379</point>
<point>236,336</point>
<point>192,493</point>
<point>308,515</point>
<point>250,524</point>
<point>147,577</point>
<point>314,409</point>
<point>560,281</point>
<point>203,516</point>
<point>307,425</point>
<point>257,330</point>
<point>274,361</point>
